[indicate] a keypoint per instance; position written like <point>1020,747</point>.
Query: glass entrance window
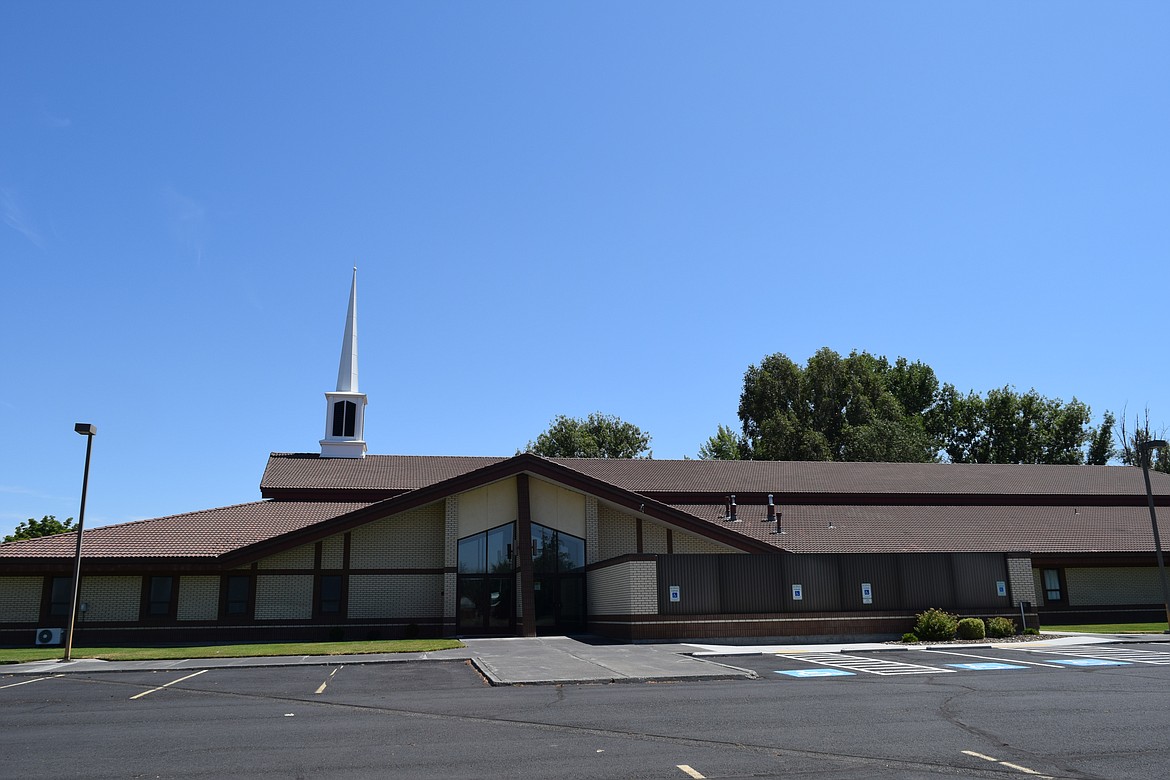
<point>556,551</point>
<point>558,565</point>
<point>487,581</point>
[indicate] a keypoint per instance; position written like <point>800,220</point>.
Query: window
<point>556,551</point>
<point>160,590</point>
<point>237,591</point>
<point>489,552</point>
<point>60,596</point>
<point>1052,585</point>
<point>329,595</point>
<point>344,418</point>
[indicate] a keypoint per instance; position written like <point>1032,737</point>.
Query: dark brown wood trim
<point>638,533</point>
<point>669,541</point>
<point>524,542</point>
<point>317,555</point>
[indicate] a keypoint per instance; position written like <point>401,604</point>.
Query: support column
<point>591,535</point>
<point>524,543</point>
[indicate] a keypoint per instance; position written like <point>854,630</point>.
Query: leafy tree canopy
<point>865,408</point>
<point>724,445</point>
<point>597,436</point>
<point>48,525</point>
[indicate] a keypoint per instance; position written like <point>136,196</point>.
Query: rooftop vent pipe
<point>731,515</point>
<point>771,510</point>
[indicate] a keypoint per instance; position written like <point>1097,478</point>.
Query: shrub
<point>936,625</point>
<point>1000,627</point>
<point>1031,631</point>
<point>909,637</point>
<point>971,628</point>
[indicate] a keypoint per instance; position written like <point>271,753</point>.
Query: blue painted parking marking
<point>1087,662</point>
<point>817,673</point>
<point>982,667</point>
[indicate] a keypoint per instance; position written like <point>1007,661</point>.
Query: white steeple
<point>345,408</point>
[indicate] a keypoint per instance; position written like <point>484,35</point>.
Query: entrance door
<point>486,594</point>
<point>560,603</point>
<point>558,581</point>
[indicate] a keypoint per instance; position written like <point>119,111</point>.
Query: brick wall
<point>686,544</point>
<point>296,558</point>
<point>1120,585</point>
<point>198,598</point>
<point>284,597</point>
<point>591,529</point>
<point>628,588</point>
<point>450,554</point>
<point>617,533</point>
<point>333,552</point>
<point>111,598</point>
<point>395,596</point>
<point>20,599</point>
<point>414,539</point>
<point>653,538</point>
<point>1021,583</point>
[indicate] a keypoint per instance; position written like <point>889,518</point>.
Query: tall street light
<point>1144,449</point>
<point>88,431</point>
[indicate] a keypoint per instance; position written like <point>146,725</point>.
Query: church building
<point>348,545</point>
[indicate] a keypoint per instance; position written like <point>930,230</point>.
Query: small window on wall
<point>159,592</point>
<point>1052,591</point>
<point>60,595</point>
<point>329,599</point>
<point>237,590</point>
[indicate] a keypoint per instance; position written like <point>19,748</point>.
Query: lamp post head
<point>85,429</point>
<point>1152,444</point>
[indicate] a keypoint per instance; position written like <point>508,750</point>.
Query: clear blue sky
<point>554,208</point>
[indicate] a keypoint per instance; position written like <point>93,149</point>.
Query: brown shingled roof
<point>868,529</point>
<point>205,534</point>
<point>393,474</point>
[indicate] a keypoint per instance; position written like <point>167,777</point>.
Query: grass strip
<point>1114,628</point>
<point>255,650</point>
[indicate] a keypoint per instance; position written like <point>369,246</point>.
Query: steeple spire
<point>345,407</point>
<point>347,371</point>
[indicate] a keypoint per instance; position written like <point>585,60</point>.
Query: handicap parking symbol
<point>1087,662</point>
<point>986,666</point>
<point>817,673</point>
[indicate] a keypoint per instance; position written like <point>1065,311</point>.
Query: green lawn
<point>21,654</point>
<point>1114,628</point>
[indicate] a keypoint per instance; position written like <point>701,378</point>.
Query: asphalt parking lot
<point>441,719</point>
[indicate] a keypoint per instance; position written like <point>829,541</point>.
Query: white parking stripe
<point>989,658</point>
<point>1158,657</point>
<point>690,771</point>
<point>327,679</point>
<point>1009,765</point>
<point>870,665</point>
<point>26,682</point>
<point>168,685</point>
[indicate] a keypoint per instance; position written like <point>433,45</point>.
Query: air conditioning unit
<point>50,636</point>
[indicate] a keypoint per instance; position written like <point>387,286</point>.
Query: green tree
<point>1101,449</point>
<point>597,436</point>
<point>1012,427</point>
<point>48,525</point>
<point>724,445</point>
<point>854,408</point>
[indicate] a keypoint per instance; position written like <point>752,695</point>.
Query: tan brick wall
<point>450,554</point>
<point>111,598</point>
<point>414,539</point>
<point>284,596</point>
<point>653,538</point>
<point>685,544</point>
<point>1038,584</point>
<point>395,595</point>
<point>20,599</point>
<point>296,558</point>
<point>1021,583</point>
<point>629,588</point>
<point>1117,585</point>
<point>333,552</point>
<point>617,533</point>
<point>591,529</point>
<point>198,598</point>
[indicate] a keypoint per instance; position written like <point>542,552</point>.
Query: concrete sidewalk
<point>553,660</point>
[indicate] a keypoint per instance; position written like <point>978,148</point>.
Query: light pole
<point>88,431</point>
<point>1144,449</point>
